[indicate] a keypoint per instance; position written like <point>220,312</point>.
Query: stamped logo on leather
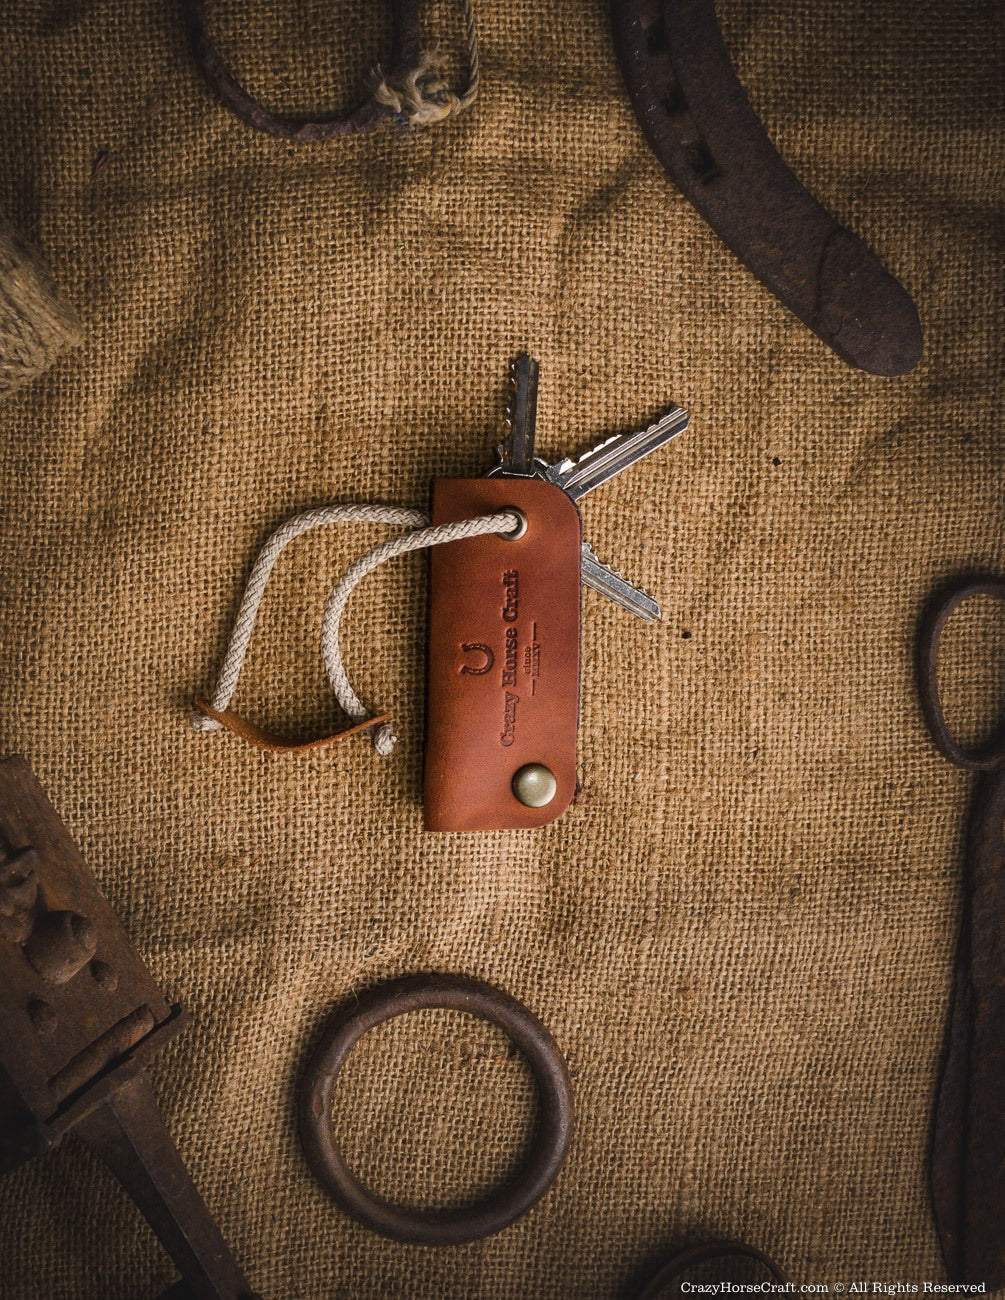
<point>503,700</point>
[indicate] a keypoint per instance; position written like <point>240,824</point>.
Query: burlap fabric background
<point>742,933</point>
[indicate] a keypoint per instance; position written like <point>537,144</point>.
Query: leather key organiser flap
<point>503,657</point>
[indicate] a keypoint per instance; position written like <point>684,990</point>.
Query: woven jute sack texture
<point>742,932</point>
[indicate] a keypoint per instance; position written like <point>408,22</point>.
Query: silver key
<point>601,577</point>
<point>610,457</point>
<point>516,455</point>
<point>516,459</point>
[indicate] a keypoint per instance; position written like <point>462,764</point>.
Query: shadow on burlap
<point>742,933</point>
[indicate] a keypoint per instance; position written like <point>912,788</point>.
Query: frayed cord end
<point>384,739</point>
<point>201,722</point>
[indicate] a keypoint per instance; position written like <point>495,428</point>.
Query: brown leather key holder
<point>508,565</point>
<point>503,693</point>
<point>503,700</point>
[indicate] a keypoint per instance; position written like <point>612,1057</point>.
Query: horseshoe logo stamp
<point>477,648</point>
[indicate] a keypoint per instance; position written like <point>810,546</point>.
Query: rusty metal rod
<point>129,1134</point>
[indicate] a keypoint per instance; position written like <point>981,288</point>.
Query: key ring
<point>982,758</point>
<point>454,993</point>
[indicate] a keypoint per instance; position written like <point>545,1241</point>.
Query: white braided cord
<point>423,535</point>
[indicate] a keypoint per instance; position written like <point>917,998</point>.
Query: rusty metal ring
<point>672,1272</point>
<point>304,130</point>
<point>419,993</point>
<point>983,757</point>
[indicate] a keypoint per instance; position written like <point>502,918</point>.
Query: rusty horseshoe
<point>698,120</point>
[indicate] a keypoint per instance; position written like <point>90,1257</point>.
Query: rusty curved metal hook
<point>303,130</point>
<point>968,1141</point>
<point>991,755</point>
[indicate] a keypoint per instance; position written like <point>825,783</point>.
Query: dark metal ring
<point>455,993</point>
<point>992,753</point>
<point>671,1273</point>
<point>304,130</point>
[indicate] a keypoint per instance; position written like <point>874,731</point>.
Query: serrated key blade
<point>610,457</point>
<point>516,455</point>
<point>601,577</point>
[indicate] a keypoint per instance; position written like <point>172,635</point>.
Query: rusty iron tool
<point>968,1148</point>
<point>698,120</point>
<point>303,130</point>
<point>419,993</point>
<point>80,1019</point>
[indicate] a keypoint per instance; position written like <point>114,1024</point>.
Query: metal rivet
<point>60,944</point>
<point>535,785</point>
<point>519,530</point>
<point>105,976</point>
<point>43,1017</point>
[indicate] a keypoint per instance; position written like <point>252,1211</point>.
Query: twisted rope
<point>421,96</point>
<point>36,321</point>
<point>423,535</point>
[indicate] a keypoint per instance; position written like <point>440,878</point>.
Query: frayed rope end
<point>420,96</point>
<point>384,739</point>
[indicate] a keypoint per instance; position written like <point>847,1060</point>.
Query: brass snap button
<point>535,785</point>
